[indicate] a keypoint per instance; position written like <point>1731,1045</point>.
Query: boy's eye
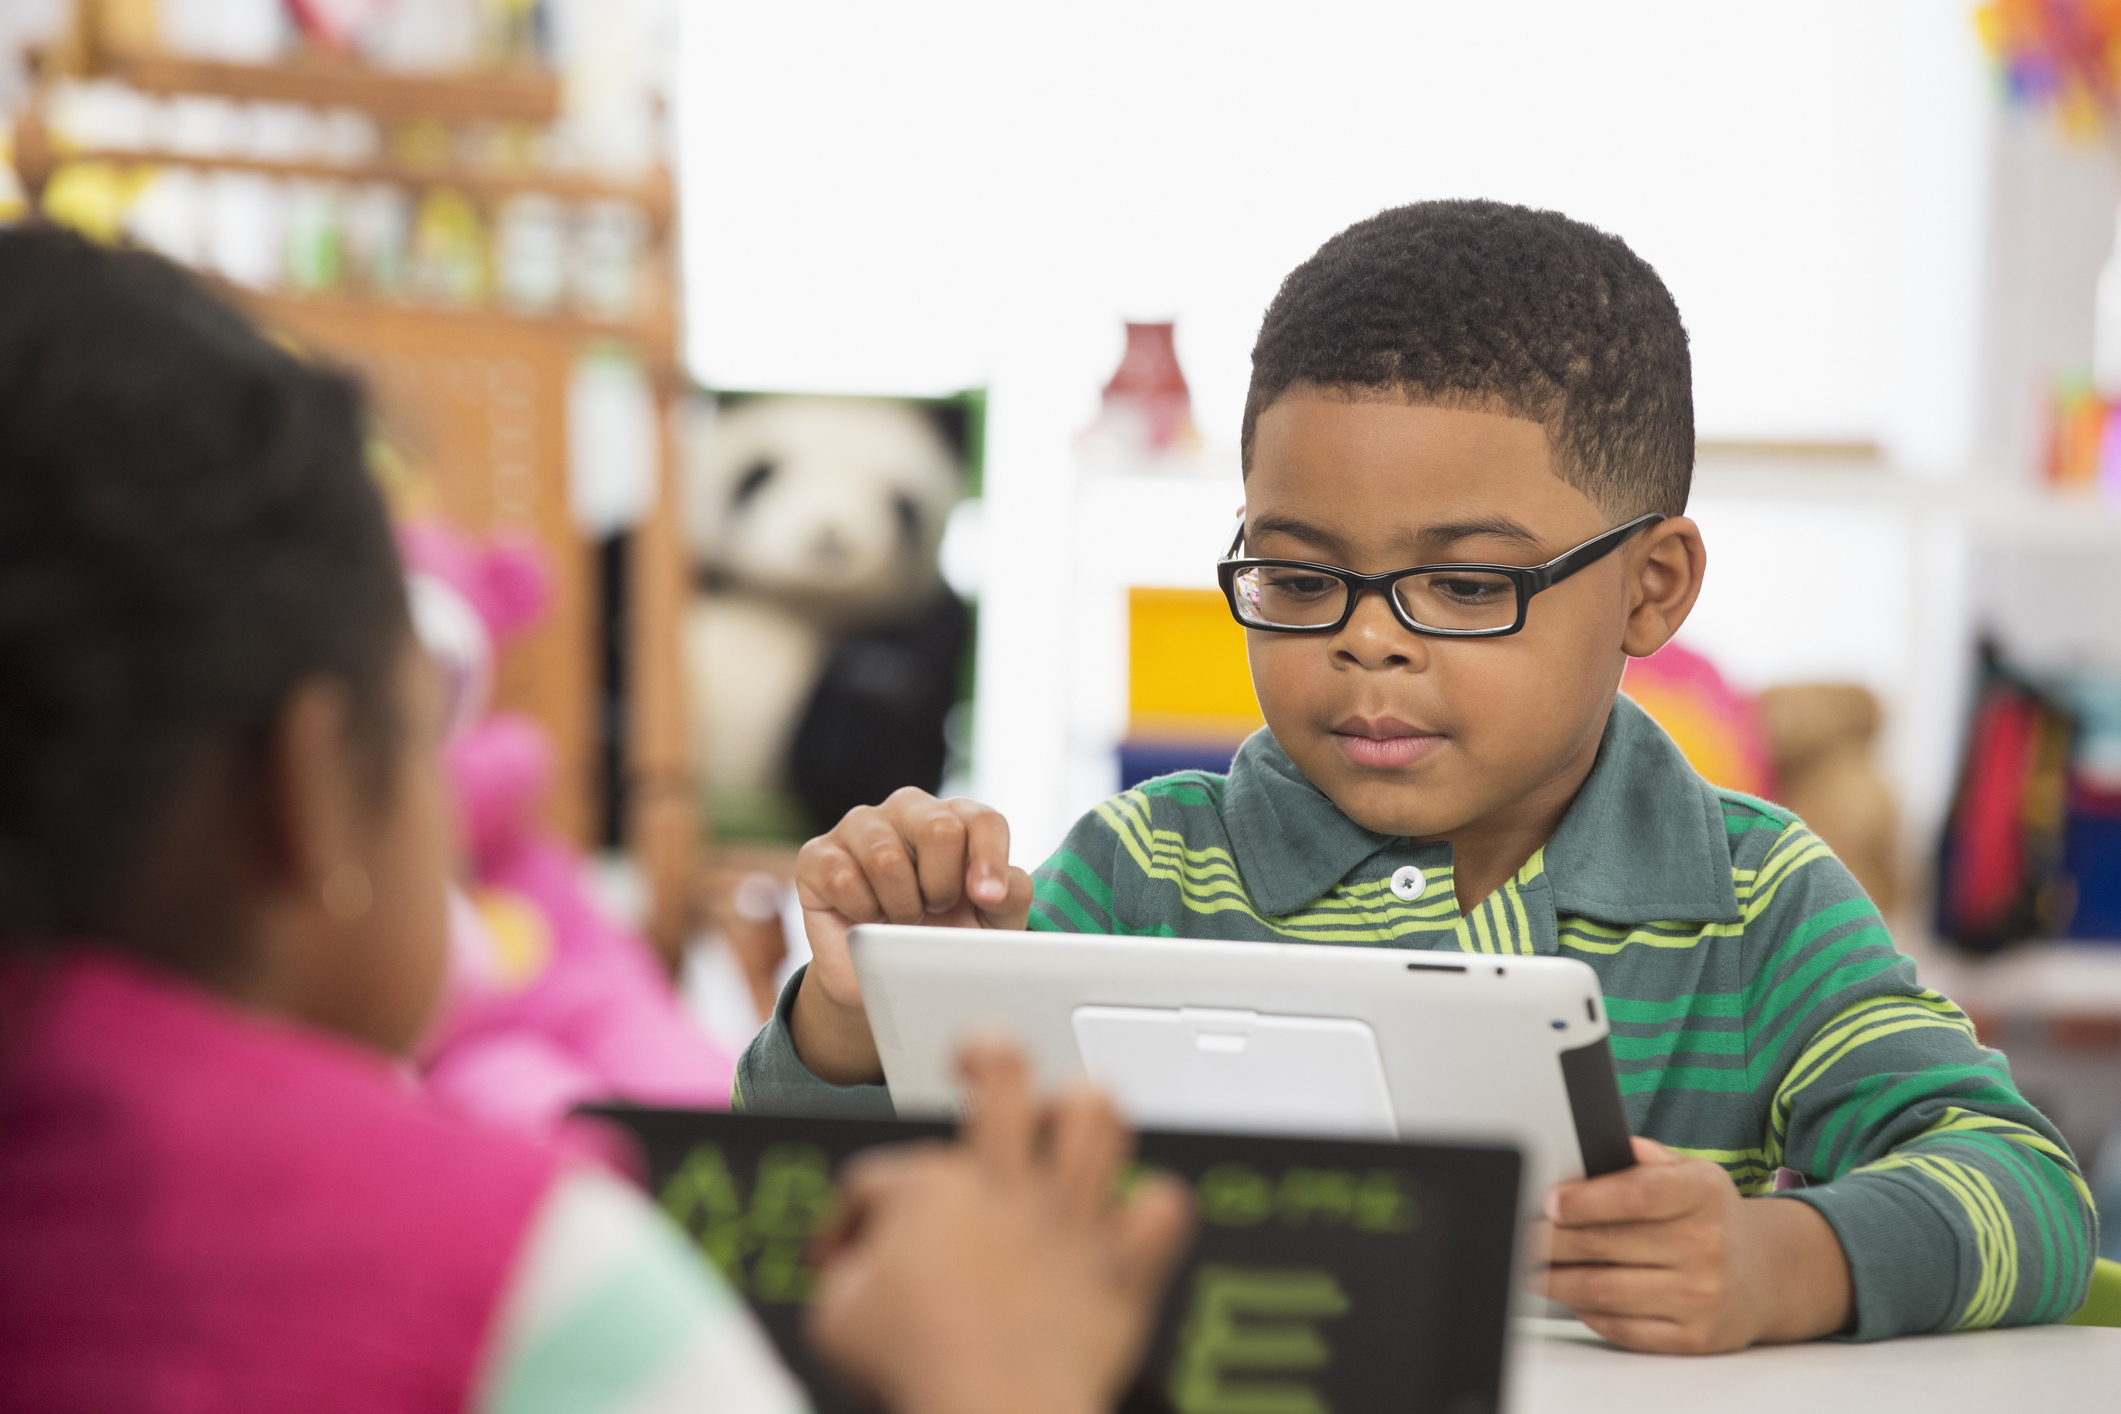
<point>1459,601</point>
<point>1469,591</point>
<point>1294,584</point>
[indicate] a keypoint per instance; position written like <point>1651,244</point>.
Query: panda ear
<point>948,418</point>
<point>752,482</point>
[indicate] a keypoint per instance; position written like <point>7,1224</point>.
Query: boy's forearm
<point>1803,1275</point>
<point>833,1041</point>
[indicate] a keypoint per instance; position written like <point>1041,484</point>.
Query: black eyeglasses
<point>1446,601</point>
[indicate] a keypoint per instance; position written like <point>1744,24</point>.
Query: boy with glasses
<point>1467,451</point>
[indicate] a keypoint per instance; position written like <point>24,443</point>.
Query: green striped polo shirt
<point>1761,1015</point>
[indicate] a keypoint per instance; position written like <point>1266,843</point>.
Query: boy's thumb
<point>1649,1151</point>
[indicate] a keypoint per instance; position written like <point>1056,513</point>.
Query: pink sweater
<point>204,1209</point>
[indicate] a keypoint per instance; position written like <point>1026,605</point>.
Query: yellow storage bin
<point>1187,677</point>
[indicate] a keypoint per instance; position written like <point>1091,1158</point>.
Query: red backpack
<point>2000,870</point>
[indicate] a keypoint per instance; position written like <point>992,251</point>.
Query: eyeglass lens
<point>1280,596</point>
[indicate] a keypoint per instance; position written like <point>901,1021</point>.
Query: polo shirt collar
<point>1291,843</point>
<point>1642,842</point>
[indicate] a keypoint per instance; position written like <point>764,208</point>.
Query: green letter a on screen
<point>1247,1322</point>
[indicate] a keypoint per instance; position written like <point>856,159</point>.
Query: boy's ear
<point>1665,567</point>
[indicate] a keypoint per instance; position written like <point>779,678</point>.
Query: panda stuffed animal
<point>822,644</point>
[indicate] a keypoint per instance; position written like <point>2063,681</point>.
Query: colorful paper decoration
<point>2058,57</point>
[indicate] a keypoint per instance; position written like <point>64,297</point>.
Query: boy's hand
<point>913,859</point>
<point>1004,1271</point>
<point>1667,1256</point>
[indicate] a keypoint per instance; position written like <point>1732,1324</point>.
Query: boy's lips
<point>1383,742</point>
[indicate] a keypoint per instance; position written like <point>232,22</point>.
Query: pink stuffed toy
<point>548,1003</point>
<point>1716,726</point>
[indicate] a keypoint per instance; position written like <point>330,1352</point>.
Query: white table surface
<point>1562,1368</point>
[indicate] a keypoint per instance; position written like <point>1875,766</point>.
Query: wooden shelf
<point>478,396</point>
<point>651,338</point>
<point>653,194</point>
<point>525,95</point>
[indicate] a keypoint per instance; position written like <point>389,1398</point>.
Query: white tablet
<point>1265,1038</point>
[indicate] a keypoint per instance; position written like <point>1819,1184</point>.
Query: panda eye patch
<point>751,482</point>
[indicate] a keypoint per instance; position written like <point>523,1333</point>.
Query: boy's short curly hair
<point>1486,305</point>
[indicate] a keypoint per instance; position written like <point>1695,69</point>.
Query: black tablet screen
<point>1326,1276</point>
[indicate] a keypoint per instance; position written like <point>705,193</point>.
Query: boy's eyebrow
<point>1269,523</point>
<point>1501,527</point>
<point>1419,544</point>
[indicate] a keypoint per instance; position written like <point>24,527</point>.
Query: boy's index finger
<point>935,836</point>
<point>986,854</point>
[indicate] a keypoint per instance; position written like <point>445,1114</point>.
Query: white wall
<point>878,197</point>
<point>925,196</point>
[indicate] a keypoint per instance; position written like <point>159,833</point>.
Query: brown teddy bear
<point>1820,735</point>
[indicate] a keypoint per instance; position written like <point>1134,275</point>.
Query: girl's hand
<point>1668,1256</point>
<point>913,859</point>
<point>1004,1271</point>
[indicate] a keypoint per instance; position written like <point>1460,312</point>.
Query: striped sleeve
<point>771,1078</point>
<point>1958,1204</point>
<point>611,1311</point>
<point>1072,891</point>
<point>1138,858</point>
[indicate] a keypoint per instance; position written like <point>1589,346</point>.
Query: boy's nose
<point>1374,638</point>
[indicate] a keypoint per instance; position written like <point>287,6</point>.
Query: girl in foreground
<point>223,851</point>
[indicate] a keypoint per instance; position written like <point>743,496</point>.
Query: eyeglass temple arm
<point>1591,551</point>
<point>1236,540</point>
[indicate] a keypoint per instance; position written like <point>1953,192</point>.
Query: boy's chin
<point>1424,826</point>
<point>1415,801</point>
<point>1382,807</point>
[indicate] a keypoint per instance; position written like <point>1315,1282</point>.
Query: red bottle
<point>1148,410</point>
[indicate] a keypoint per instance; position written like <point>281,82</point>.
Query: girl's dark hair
<point>187,529</point>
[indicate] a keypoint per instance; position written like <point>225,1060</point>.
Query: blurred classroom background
<point>861,385</point>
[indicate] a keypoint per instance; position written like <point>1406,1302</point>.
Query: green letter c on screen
<point>1228,1336</point>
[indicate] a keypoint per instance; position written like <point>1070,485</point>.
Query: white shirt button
<point>1408,883</point>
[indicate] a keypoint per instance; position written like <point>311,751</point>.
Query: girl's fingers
<point>1089,1144</point>
<point>870,1182</point>
<point>1002,1128</point>
<point>874,1174</point>
<point>1154,1229</point>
